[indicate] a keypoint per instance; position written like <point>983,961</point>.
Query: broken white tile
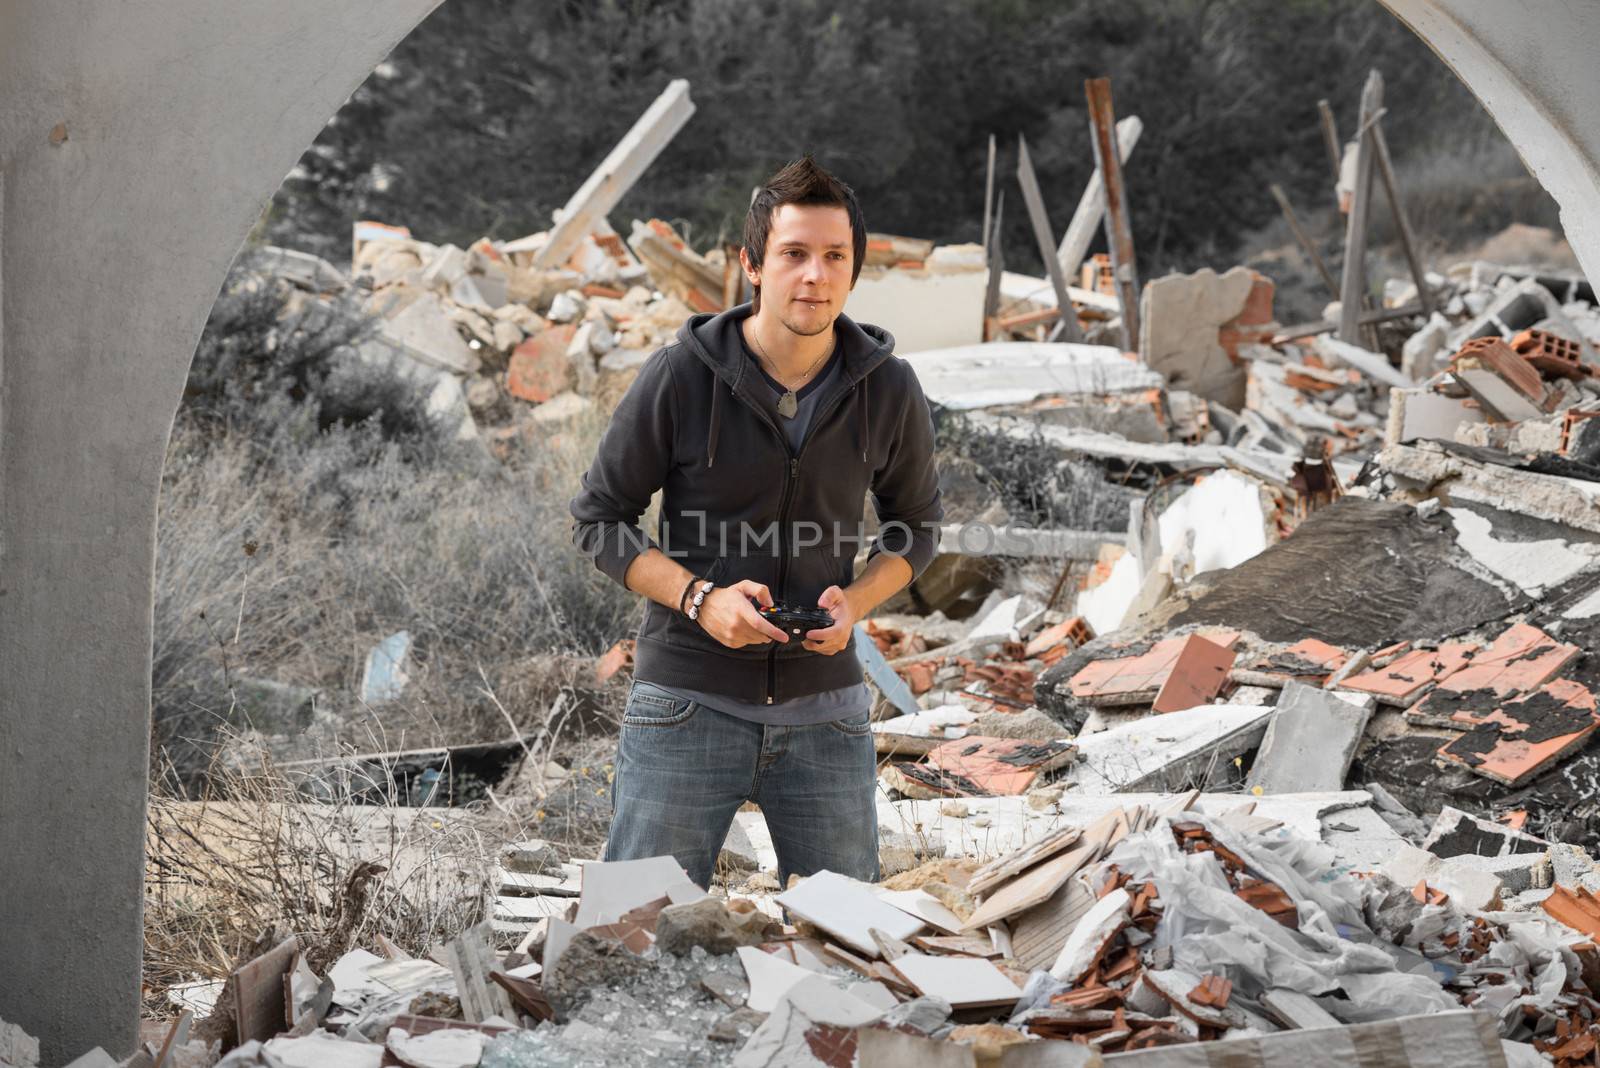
<point>848,910</point>
<point>925,907</point>
<point>615,887</point>
<point>770,977</point>
<point>783,1039</point>
<point>962,981</point>
<point>1152,750</point>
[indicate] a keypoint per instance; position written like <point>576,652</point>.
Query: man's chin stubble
<point>794,329</point>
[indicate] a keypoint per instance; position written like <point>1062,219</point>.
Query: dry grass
<point>250,856</point>
<point>288,560</point>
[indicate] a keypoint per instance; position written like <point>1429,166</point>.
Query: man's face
<point>806,274</point>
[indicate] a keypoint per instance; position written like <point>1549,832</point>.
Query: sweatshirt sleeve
<point>905,491</point>
<point>631,463</point>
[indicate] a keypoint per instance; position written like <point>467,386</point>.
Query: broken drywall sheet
<point>1105,606</point>
<point>1220,519</point>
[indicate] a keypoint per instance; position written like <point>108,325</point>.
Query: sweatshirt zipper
<point>783,505</point>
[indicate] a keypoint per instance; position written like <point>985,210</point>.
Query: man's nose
<point>814,273</point>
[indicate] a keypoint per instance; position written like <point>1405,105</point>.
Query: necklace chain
<point>762,351</point>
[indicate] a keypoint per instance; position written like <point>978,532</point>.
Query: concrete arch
<point>1531,64</point>
<point>138,142</point>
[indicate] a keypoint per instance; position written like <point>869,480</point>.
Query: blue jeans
<point>683,770</point>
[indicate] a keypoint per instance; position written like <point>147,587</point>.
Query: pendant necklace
<point>789,404</point>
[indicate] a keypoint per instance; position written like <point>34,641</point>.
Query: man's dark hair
<point>804,181</point>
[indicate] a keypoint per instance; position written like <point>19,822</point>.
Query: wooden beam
<point>1352,284</point>
<point>617,173</point>
<point>1119,230</point>
<point>1068,323</point>
<point>1306,244</point>
<point>1092,205</point>
<point>988,197</point>
<point>997,266</point>
<point>1330,138</point>
<point>1408,238</point>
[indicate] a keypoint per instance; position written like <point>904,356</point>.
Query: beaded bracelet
<point>699,597</point>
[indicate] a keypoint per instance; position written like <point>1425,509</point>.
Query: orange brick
<point>539,368</point>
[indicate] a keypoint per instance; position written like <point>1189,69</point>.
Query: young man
<point>765,427</point>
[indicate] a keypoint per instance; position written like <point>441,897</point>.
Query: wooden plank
<point>1092,205</point>
<point>471,961</point>
<point>1119,228</point>
<point>617,173</point>
<point>997,268</point>
<point>1352,283</point>
<point>1038,934</point>
<point>1030,889</point>
<point>258,993</point>
<point>1330,139</point>
<point>1304,240</point>
<point>1000,869</point>
<point>988,197</point>
<point>1067,325</point>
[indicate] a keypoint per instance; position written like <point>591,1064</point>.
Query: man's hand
<point>830,640</point>
<point>728,616</point>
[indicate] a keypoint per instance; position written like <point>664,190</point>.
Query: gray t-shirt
<point>846,702</point>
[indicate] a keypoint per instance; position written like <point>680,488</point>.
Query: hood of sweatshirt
<point>717,341</point>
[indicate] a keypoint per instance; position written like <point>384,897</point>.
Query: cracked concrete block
<point>1181,317</point>
<point>1570,864</point>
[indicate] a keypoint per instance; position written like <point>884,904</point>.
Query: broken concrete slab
<point>1371,364</point>
<point>1572,502</point>
<point>1181,316</point>
<point>423,330</point>
<point>931,310</point>
<point>1310,741</point>
<point>1456,833</point>
<point>1012,373</point>
<point>1172,752</point>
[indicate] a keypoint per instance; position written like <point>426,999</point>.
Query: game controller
<point>795,619</point>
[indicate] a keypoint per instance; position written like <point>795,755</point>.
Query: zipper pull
<point>794,467</point>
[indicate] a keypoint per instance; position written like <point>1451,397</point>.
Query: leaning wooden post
<point>1067,321</point>
<point>1352,284</point>
<point>988,196</point>
<point>1306,244</point>
<point>1408,239</point>
<point>1119,231</point>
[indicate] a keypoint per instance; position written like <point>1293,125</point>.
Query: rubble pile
<point>1247,705</point>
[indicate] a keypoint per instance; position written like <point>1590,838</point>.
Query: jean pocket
<point>651,706</point>
<point>855,726</point>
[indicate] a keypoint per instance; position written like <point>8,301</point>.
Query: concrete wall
<point>181,118</point>
<point>1531,64</point>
